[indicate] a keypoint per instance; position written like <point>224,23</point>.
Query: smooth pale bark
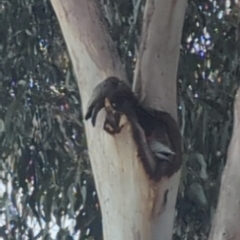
<point>159,54</point>
<point>124,192</point>
<point>131,205</point>
<point>226,225</point>
<point>155,84</point>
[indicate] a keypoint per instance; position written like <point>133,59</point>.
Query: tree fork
<point>132,206</point>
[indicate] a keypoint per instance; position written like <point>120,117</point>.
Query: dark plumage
<point>156,133</point>
<point>111,88</point>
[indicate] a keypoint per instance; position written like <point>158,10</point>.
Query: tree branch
<point>125,195</point>
<point>227,217</point>
<point>155,84</point>
<point>132,206</point>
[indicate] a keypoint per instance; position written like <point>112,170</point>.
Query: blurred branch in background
<point>227,218</point>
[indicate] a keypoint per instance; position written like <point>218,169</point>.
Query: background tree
<point>32,50</point>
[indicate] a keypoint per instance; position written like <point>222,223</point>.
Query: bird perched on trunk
<point>155,133</point>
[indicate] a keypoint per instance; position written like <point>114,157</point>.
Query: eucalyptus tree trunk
<point>133,207</point>
<point>226,225</point>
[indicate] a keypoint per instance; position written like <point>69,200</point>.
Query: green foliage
<point>43,160</point>
<point>47,190</point>
<point>208,79</point>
